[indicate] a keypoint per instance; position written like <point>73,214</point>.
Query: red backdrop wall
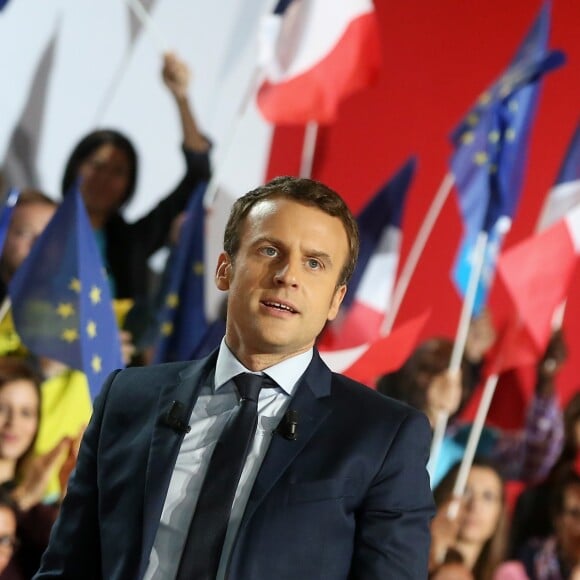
<point>437,58</point>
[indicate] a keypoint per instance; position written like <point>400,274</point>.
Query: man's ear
<point>336,302</point>
<point>223,272</point>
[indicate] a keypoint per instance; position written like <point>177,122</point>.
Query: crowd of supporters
<point>482,536</point>
<point>44,405</point>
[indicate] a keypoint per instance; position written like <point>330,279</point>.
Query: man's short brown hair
<point>304,191</point>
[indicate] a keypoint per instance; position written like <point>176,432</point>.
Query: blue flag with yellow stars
<point>61,303</point>
<point>182,322</point>
<point>491,147</point>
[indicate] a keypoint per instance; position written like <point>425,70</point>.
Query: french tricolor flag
<point>313,54</point>
<point>369,291</point>
<point>537,274</point>
<point>566,192</point>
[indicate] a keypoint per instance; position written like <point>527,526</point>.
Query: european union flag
<point>182,319</point>
<point>383,210</point>
<point>61,303</point>
<point>6,215</point>
<point>491,145</point>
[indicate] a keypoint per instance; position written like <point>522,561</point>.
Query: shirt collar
<point>286,373</point>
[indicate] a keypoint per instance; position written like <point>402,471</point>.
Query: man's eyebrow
<point>324,256</point>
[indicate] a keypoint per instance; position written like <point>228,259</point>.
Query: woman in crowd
<point>8,541</point>
<point>532,518</point>
<point>23,476</point>
<point>425,382</point>
<point>556,557</point>
<point>478,535</point>
<point>106,163</point>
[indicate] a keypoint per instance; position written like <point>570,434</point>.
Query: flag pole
<point>4,308</point>
<point>416,251</point>
<point>256,76</point>
<point>472,442</point>
<point>480,417</point>
<point>308,149</point>
<point>460,340</point>
<point>148,24</point>
<point>479,422</point>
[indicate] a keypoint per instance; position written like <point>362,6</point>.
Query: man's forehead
<point>279,203</point>
<point>264,208</point>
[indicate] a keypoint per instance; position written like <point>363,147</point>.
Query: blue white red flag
<point>313,54</point>
<point>537,273</point>
<point>566,191</point>
<point>369,292</point>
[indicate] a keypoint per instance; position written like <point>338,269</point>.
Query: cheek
<point>85,172</point>
<point>31,427</point>
<point>493,514</point>
<point>120,185</point>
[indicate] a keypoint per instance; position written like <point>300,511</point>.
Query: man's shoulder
<point>157,370</point>
<point>350,392</point>
<point>154,376</point>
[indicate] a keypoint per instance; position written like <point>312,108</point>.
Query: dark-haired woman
<point>106,163</point>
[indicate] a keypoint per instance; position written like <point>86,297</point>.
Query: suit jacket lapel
<point>165,444</point>
<point>311,402</point>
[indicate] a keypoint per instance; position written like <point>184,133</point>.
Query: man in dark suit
<point>333,482</point>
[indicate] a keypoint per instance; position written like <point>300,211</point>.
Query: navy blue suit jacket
<point>349,499</point>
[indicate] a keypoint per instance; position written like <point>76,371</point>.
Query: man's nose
<point>287,273</point>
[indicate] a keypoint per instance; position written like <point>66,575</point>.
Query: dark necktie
<point>203,545</point>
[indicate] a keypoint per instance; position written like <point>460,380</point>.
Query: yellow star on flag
<point>467,138</point>
<point>480,158</point>
<point>91,329</point>
<point>95,295</point>
<point>472,119</point>
<point>97,364</point>
<point>65,309</point>
<point>75,285</point>
<point>510,134</point>
<point>198,268</point>
<point>166,328</point>
<point>172,300</point>
<point>69,334</point>
<point>493,136</point>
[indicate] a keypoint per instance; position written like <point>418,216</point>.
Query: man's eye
<point>313,264</point>
<point>269,251</point>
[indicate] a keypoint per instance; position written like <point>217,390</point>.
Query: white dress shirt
<point>213,408</point>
